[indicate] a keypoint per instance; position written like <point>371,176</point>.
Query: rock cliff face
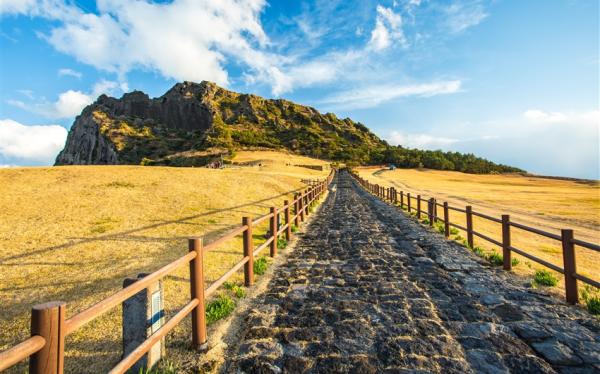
<point>185,107</point>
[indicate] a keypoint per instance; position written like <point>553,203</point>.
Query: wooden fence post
<point>273,228</point>
<point>469,213</point>
<point>430,206</point>
<point>288,230</point>
<point>296,209</point>
<point>408,201</point>
<point>401,199</point>
<point>197,292</point>
<point>570,267</point>
<point>248,252</point>
<point>301,206</point>
<point>506,242</point>
<point>446,220</point>
<point>418,206</point>
<point>395,197</point>
<point>48,321</point>
<point>435,212</point>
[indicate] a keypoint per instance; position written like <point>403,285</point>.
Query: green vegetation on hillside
<point>241,121</point>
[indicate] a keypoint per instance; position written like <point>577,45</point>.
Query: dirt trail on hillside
<point>368,290</point>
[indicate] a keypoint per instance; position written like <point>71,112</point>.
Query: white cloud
<point>33,144</point>
<point>371,96</point>
<point>540,116</point>
<point>421,141</point>
<point>463,15</point>
<point>388,29</point>
<point>69,72</point>
<point>69,103</point>
<point>183,40</point>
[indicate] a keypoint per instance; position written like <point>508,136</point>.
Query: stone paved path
<point>369,290</point>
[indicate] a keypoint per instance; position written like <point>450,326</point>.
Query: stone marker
<point>143,315</point>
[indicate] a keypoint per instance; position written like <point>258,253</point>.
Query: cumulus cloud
<point>69,72</point>
<point>69,103</point>
<point>183,40</point>
<point>371,96</point>
<point>30,144</point>
<point>388,29</point>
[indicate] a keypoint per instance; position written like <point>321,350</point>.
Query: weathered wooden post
<point>143,315</point>
<point>469,213</point>
<point>435,212</point>
<point>197,292</point>
<point>296,209</point>
<point>430,204</point>
<point>302,206</point>
<point>273,228</point>
<point>288,229</point>
<point>446,220</point>
<point>248,252</point>
<point>570,266</point>
<point>408,201</point>
<point>506,242</point>
<point>418,206</point>
<point>401,199</point>
<point>48,321</point>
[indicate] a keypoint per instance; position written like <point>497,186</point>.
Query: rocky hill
<point>193,122</point>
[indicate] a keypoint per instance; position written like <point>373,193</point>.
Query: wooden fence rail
<point>49,326</point>
<point>568,242</point>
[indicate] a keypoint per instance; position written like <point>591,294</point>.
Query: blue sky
<point>516,82</point>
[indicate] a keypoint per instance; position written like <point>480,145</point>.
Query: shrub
<point>544,278</point>
<point>478,251</point>
<point>281,243</point>
<point>591,298</point>
<point>146,161</point>
<point>219,308</point>
<point>495,259</point>
<point>260,265</point>
<point>237,290</point>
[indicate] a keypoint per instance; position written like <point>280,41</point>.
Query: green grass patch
<point>495,259</point>
<point>479,252</point>
<point>544,278</point>
<point>219,308</point>
<point>236,289</point>
<point>591,298</point>
<point>162,367</point>
<point>281,243</point>
<point>260,265</point>
<point>440,228</point>
<point>425,221</point>
<point>453,231</point>
<point>514,261</point>
<point>294,228</point>
<point>458,238</point>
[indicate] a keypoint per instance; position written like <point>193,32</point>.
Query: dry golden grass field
<point>547,204</point>
<point>74,233</point>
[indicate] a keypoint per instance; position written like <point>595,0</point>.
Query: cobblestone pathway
<point>369,290</point>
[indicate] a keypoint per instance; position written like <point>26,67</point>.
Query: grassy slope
<point>74,234</point>
<point>542,203</point>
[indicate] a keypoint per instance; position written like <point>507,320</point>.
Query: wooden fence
<point>49,325</point>
<point>566,238</point>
